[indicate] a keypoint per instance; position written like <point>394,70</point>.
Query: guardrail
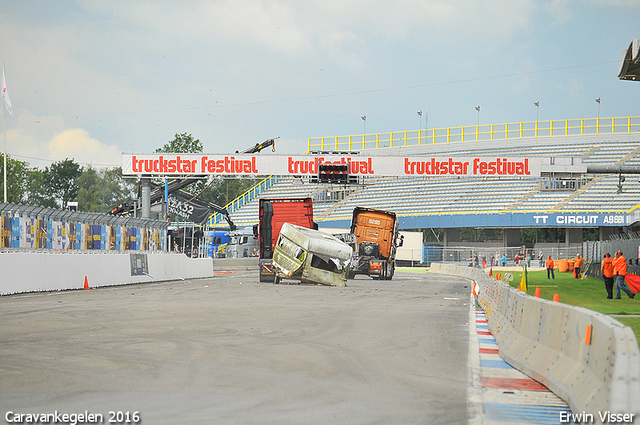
<point>471,133</point>
<point>589,359</point>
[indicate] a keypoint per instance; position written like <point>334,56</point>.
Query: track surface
<point>230,350</point>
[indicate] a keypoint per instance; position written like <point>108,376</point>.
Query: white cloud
<point>77,144</point>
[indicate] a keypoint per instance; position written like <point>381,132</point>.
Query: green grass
<point>588,293</point>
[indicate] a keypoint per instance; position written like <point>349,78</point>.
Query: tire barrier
<point>589,359</point>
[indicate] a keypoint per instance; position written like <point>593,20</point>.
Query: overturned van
<point>311,256</point>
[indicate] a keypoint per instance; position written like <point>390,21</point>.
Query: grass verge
<point>588,293</point>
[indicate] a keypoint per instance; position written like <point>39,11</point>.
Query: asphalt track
<point>231,350</point>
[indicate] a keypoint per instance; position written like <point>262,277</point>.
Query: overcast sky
<point>91,79</point>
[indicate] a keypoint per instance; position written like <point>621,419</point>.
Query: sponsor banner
<point>301,165</point>
<point>187,208</point>
<point>516,219</point>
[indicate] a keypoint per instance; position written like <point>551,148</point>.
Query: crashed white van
<point>311,256</point>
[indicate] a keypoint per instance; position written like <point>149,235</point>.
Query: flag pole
<point>4,168</point>
<point>4,126</point>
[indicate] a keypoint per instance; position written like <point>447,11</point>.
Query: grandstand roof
<point>630,62</point>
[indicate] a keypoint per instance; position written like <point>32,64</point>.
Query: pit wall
<point>51,271</point>
<point>548,341</point>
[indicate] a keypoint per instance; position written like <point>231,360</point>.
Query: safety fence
<point>493,255</point>
<point>478,132</point>
<point>589,359</point>
<point>24,227</point>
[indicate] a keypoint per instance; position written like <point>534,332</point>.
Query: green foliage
<point>183,143</point>
<point>224,190</point>
<point>17,180</point>
<point>99,191</point>
<point>60,180</point>
<point>588,293</point>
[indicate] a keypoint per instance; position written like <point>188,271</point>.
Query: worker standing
<point>576,266</point>
<point>607,271</point>
<point>620,271</point>
<point>550,266</point>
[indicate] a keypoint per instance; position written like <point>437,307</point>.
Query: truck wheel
<point>276,280</point>
<point>391,269</point>
<point>384,273</point>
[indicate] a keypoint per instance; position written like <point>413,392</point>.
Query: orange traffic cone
<point>537,294</point>
<point>86,283</point>
<point>556,298</point>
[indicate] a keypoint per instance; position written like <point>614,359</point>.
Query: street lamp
<point>537,109</point>
<point>420,115</point>
<point>364,124</point>
<point>478,109</point>
<point>598,102</point>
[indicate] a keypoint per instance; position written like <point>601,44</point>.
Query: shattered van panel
<point>311,256</point>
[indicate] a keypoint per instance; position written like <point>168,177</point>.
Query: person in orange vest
<point>620,271</point>
<point>550,266</point>
<point>607,271</point>
<point>576,266</point>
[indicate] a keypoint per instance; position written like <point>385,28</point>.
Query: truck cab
<point>377,237</point>
<point>273,213</point>
<point>242,243</point>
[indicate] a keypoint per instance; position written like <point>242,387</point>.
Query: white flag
<point>5,94</point>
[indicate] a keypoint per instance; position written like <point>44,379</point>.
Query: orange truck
<point>273,213</point>
<point>377,237</point>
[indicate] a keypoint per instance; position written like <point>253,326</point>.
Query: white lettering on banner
<point>242,164</point>
<point>577,219</point>
<point>537,218</point>
<point>179,208</point>
<point>613,219</point>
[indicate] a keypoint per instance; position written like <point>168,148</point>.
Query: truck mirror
<point>400,241</point>
<point>255,231</point>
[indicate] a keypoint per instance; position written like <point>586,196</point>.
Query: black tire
<point>276,280</point>
<point>392,271</point>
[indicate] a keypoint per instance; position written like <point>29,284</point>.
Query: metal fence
<point>566,127</point>
<point>27,227</point>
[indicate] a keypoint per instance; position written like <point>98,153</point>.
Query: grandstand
<point>502,202</point>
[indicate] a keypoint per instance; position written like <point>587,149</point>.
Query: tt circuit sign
<point>518,219</point>
<point>301,165</point>
<point>580,220</point>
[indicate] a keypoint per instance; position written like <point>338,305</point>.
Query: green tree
<point>183,143</point>
<point>89,191</point>
<point>224,190</point>
<point>60,180</point>
<point>101,190</point>
<point>17,179</point>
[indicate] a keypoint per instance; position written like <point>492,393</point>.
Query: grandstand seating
<point>442,195</point>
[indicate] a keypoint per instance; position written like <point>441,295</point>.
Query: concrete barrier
<point>55,271</point>
<point>245,263</point>
<point>548,341</point>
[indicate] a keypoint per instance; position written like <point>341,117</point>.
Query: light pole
<point>537,109</point>
<point>364,124</point>
<point>478,109</point>
<point>420,118</point>
<point>598,102</point>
